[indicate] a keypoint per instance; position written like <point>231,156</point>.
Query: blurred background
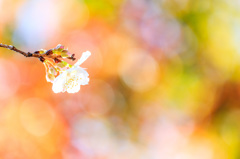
<point>164,80</point>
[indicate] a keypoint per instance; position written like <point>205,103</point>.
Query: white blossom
<point>71,79</point>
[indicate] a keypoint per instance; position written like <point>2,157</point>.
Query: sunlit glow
<point>9,82</point>
<point>163,83</point>
<point>138,70</point>
<point>37,116</point>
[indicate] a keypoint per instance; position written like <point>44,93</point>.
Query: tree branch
<point>10,47</point>
<point>36,54</point>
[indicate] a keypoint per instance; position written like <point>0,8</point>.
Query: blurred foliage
<point>164,80</point>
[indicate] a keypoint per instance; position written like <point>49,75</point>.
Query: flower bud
<point>50,77</point>
<point>59,47</point>
<point>63,65</point>
<point>49,52</point>
<point>53,71</point>
<point>65,54</point>
<point>42,51</point>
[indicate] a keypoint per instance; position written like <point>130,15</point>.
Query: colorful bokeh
<point>164,80</point>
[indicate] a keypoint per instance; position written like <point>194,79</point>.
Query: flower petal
<point>82,75</point>
<point>83,79</point>
<point>74,89</point>
<point>59,83</point>
<point>83,58</point>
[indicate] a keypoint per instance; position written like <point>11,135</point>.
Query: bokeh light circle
<point>37,116</point>
<point>138,70</point>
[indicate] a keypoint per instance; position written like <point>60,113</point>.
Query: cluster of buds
<point>64,76</point>
<point>56,53</point>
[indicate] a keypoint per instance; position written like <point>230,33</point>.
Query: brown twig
<point>36,54</point>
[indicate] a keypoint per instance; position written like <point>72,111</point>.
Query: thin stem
<point>29,54</point>
<point>13,48</point>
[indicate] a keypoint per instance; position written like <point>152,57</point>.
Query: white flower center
<point>72,81</point>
